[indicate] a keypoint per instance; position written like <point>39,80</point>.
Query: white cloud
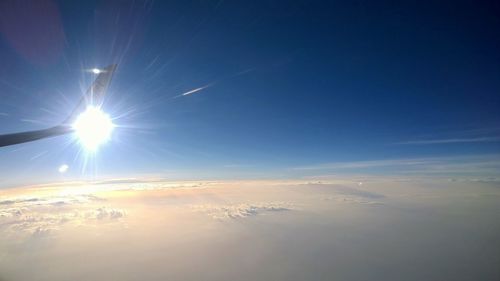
<point>41,232</point>
<point>240,210</point>
<point>170,233</point>
<point>51,200</point>
<point>352,200</point>
<point>44,215</point>
<point>104,213</point>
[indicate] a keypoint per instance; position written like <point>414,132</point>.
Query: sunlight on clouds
<point>222,212</point>
<point>260,229</point>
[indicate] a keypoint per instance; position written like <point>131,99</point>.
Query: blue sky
<point>286,85</point>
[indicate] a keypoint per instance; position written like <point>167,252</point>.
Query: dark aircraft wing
<point>11,139</point>
<point>94,95</point>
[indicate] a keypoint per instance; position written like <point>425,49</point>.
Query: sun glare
<point>93,127</point>
<point>63,168</point>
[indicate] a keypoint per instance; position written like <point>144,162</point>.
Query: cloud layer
<point>381,229</point>
<point>223,212</point>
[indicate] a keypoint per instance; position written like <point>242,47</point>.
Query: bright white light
<point>63,168</point>
<point>93,127</point>
<point>96,70</point>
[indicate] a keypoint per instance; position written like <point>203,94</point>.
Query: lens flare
<point>93,127</point>
<point>63,168</point>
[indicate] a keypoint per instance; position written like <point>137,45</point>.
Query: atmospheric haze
<point>251,230</point>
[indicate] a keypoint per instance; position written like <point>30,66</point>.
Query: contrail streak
<point>194,91</point>
<point>215,82</point>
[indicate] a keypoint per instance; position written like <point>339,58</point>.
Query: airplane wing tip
<point>95,92</point>
<point>111,67</point>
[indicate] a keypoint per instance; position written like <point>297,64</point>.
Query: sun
<point>93,127</point>
<point>96,70</point>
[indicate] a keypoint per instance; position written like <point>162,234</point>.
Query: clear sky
<point>272,89</point>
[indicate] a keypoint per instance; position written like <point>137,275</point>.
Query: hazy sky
<point>255,88</point>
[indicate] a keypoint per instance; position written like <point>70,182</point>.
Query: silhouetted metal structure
<point>93,96</point>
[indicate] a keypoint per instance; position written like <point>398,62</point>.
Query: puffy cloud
<point>352,200</point>
<point>41,232</point>
<point>236,211</point>
<point>104,213</point>
<point>15,222</point>
<point>43,216</point>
